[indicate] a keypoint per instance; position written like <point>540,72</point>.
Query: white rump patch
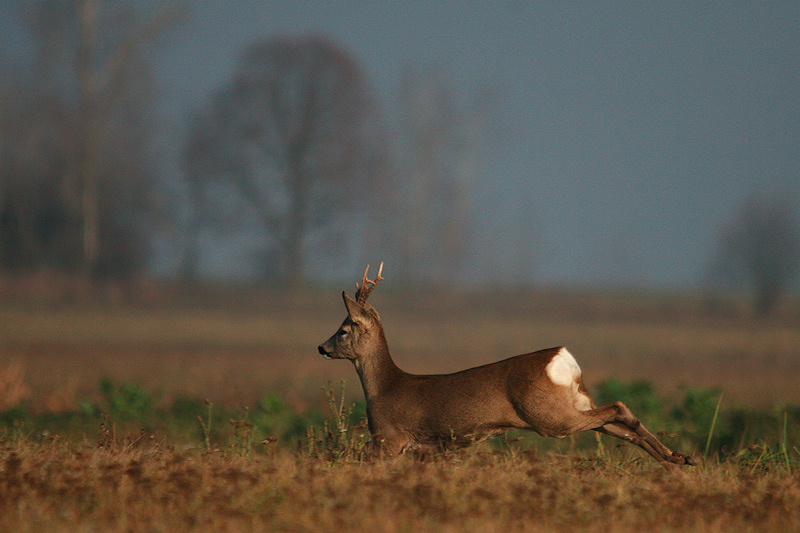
<point>580,400</point>
<point>563,369</point>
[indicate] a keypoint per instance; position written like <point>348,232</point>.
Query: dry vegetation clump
<point>146,486</point>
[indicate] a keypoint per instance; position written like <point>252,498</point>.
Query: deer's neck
<point>376,368</point>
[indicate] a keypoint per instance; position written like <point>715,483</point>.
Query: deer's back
<point>485,398</point>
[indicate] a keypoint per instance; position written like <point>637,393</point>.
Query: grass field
<point>50,487</point>
<point>194,415</point>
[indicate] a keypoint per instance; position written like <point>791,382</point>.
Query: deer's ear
<point>347,300</point>
<point>349,303</point>
<point>354,309</point>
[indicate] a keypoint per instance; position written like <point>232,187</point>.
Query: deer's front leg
<point>387,444</point>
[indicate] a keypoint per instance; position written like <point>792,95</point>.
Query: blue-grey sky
<point>632,130</point>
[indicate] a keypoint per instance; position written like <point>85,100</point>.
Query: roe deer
<point>541,391</point>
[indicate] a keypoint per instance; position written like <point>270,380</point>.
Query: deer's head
<point>360,329</point>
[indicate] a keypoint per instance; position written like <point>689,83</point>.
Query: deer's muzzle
<point>324,351</point>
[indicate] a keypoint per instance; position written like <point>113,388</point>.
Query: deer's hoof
<point>681,459</point>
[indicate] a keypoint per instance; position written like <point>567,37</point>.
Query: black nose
<point>321,350</point>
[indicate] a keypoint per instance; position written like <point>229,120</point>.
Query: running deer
<point>541,391</point>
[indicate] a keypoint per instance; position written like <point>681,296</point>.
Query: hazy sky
<point>632,129</point>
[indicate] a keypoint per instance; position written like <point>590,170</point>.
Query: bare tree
<point>36,228</point>
<point>761,246</point>
<point>443,147</point>
<point>92,77</point>
<point>293,135</point>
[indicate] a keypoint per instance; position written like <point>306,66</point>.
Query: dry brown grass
<point>53,487</point>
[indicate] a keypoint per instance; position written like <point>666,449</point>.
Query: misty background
<point>576,144</point>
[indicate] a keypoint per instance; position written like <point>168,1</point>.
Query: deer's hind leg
<point>620,423</point>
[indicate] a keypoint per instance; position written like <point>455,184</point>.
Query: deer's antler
<point>363,290</point>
